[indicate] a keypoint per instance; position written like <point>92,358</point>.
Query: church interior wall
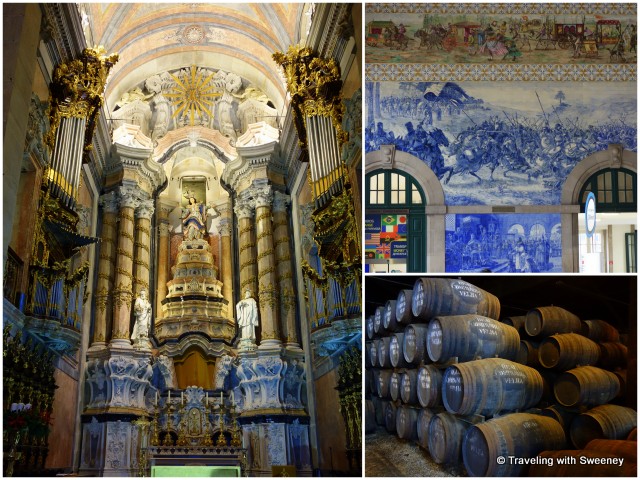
<point>62,435</point>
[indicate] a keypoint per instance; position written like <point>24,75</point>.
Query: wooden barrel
<point>390,417</point>
<point>522,435</point>
<point>378,325</point>
<point>389,321</point>
<point>394,386</point>
<point>446,432</point>
<point>622,448</point>
<point>586,386</point>
<point>415,348</point>
<point>382,385</point>
<point>380,406</point>
<point>613,355</point>
<point>408,384</point>
<point>429,386</point>
<point>545,321</point>
<point>434,297</point>
<point>580,463</point>
<point>488,386</point>
<point>567,350</point>
<point>549,378</point>
<point>403,307</point>
<point>372,352</point>
<point>528,354</point>
<point>469,337</point>
<point>369,417</point>
<point>406,419</point>
<point>368,373</point>
<point>370,332</point>
<point>422,426</point>
<point>367,358</point>
<point>384,360</point>
<point>563,415</point>
<point>605,421</point>
<point>600,331</point>
<point>622,378</point>
<point>396,354</point>
<point>516,322</point>
<point>633,435</point>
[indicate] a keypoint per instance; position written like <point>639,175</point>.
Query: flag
<point>389,220</point>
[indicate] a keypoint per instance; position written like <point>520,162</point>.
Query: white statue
<point>142,312</point>
<point>168,371</point>
<point>247,316</point>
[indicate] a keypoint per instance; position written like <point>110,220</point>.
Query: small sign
<point>590,214</point>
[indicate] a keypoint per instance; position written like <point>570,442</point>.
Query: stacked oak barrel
<point>444,372</point>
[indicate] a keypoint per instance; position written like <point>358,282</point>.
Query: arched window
<point>614,189</point>
<point>392,188</point>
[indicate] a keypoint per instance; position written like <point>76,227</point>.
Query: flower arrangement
<point>22,417</point>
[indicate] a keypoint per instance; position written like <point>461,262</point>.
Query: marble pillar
<point>224,227</point>
<point>267,284</point>
<point>244,210</point>
<point>281,237</point>
<point>106,270</point>
<point>123,291</point>
<point>143,214</point>
<point>162,265</point>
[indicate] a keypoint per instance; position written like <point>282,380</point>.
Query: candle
<point>221,400</point>
<point>182,397</point>
<point>206,398</point>
<point>156,398</point>
<point>169,399</point>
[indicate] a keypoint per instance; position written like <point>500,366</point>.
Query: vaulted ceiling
<point>158,37</point>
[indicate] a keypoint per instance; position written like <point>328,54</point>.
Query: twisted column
<point>106,270</point>
<point>163,265</point>
<point>224,227</point>
<point>281,237</point>
<point>248,279</point>
<point>267,292</point>
<point>123,291</point>
<point>143,213</point>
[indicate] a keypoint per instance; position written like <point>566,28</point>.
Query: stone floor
<point>388,456</point>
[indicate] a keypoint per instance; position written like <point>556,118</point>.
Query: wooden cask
<point>545,321</point>
<point>404,316</point>
<point>406,419</point>
<point>468,337</point>
<point>384,360</point>
<point>369,417</point>
<point>396,355</point>
<point>563,415</point>
<point>613,422</point>
<point>408,387</point>
<point>389,321</point>
<point>516,322</point>
<point>522,435</point>
<point>394,386</point>
<point>390,412</point>
<point>429,387</point>
<point>414,348</point>
<point>422,426</point>
<point>613,355</point>
<point>622,448</point>
<point>633,435</point>
<point>378,325</point>
<point>382,384</point>
<point>528,354</point>
<point>446,432</point>
<point>372,352</point>
<point>567,350</point>
<point>600,331</point>
<point>369,324</point>
<point>586,386</point>
<point>434,297</point>
<point>489,386</point>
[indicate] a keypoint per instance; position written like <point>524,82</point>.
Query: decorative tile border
<point>416,72</point>
<point>505,8</point>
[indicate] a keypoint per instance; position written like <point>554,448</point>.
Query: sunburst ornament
<point>193,94</point>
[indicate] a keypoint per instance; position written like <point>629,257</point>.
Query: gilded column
<point>123,291</point>
<point>163,265</point>
<point>244,210</point>
<point>143,213</point>
<point>106,270</point>
<point>267,292</point>
<point>281,243</point>
<point>224,227</point>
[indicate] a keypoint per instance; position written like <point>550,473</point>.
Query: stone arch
<point>435,209</point>
<point>614,157</point>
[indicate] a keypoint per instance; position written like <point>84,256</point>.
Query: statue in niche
<point>142,312</point>
<point>194,219</point>
<point>247,313</point>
